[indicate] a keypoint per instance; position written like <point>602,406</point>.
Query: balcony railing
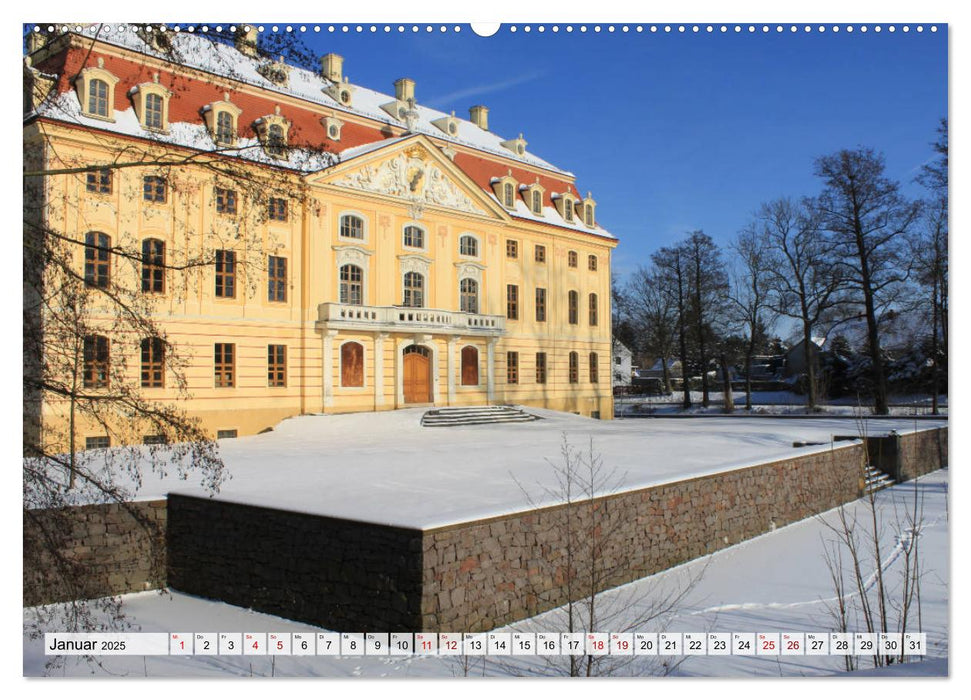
<point>407,318</point>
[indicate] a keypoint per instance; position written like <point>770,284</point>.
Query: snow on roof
<point>552,216</point>
<point>66,106</point>
<point>225,60</point>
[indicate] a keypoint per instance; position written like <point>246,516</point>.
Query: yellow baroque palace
<point>390,255</point>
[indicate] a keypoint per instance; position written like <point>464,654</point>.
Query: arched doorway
<point>417,379</point>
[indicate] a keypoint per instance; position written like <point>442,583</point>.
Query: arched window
<point>98,97</point>
<point>225,131</point>
<point>537,202</point>
<point>414,237</point>
<point>571,258</point>
<point>469,245</point>
<point>470,366</point>
<point>594,368</point>
<point>469,296</point>
<point>593,310</point>
<point>588,215</point>
<point>97,263</point>
<point>97,361</point>
<point>574,368</point>
<point>153,363</point>
<point>592,263</point>
<point>154,111</point>
<point>414,289</point>
<point>352,364</point>
<point>352,285</point>
<point>509,195</point>
<point>276,142</point>
<point>574,303</point>
<point>352,227</point>
<point>153,265</point>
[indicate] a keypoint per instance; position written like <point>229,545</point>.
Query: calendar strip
<point>348,644</point>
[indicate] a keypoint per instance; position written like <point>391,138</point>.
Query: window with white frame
<point>352,226</point>
<point>469,245</point>
<point>414,289</point>
<point>351,285</point>
<point>469,295</point>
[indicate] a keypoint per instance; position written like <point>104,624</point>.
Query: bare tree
<point>655,316</point>
<point>867,218</point>
<point>708,293</point>
<point>803,279</point>
<point>595,556</point>
<point>750,295</point>
<point>94,336</point>
<point>929,251</point>
<point>672,276</point>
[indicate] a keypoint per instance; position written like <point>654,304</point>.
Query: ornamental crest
<point>413,177</point>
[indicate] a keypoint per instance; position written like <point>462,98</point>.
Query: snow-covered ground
<point>773,403</point>
<point>387,468</point>
<point>777,582</point>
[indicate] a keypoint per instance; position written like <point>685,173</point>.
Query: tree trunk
<point>727,385</point>
<point>748,375</point>
<point>665,375</point>
<point>809,352</point>
<point>936,381</point>
<point>880,406</point>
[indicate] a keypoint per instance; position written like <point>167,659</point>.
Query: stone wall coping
<point>700,476</point>
<point>297,511</point>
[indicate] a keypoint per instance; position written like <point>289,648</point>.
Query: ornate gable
<point>415,172</point>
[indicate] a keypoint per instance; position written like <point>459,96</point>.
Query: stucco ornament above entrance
<point>412,176</point>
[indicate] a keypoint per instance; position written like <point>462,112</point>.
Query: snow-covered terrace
<point>386,468</point>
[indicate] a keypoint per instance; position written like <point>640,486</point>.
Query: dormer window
<point>151,102</point>
<point>222,118</point>
<point>341,90</point>
<point>333,126</point>
<point>516,145</point>
<point>225,129</point>
<point>448,124</point>
<point>277,72</point>
<point>588,209</point>
<point>96,92</point>
<point>534,196</point>
<point>275,142</point>
<point>565,203</point>
<point>272,130</point>
<point>505,189</point>
<point>98,98</point>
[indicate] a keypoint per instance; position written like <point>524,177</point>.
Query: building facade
<point>310,245</point>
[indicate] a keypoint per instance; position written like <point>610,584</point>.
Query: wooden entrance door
<point>417,375</point>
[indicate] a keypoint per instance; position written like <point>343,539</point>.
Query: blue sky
<point>670,131</point>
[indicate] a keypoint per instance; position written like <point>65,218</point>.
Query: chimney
<point>404,89</point>
<point>480,116</point>
<point>246,37</point>
<point>332,67</point>
<point>36,40</point>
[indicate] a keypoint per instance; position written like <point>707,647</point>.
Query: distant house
<point>656,370</point>
<point>621,367</point>
<point>796,356</point>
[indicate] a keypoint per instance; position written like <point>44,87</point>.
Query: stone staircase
<point>875,480</point>
<point>476,415</point>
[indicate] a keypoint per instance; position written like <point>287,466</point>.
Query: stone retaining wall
<point>93,551</point>
<point>489,573</point>
<point>905,457</point>
<point>339,574</point>
<point>356,576</point>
